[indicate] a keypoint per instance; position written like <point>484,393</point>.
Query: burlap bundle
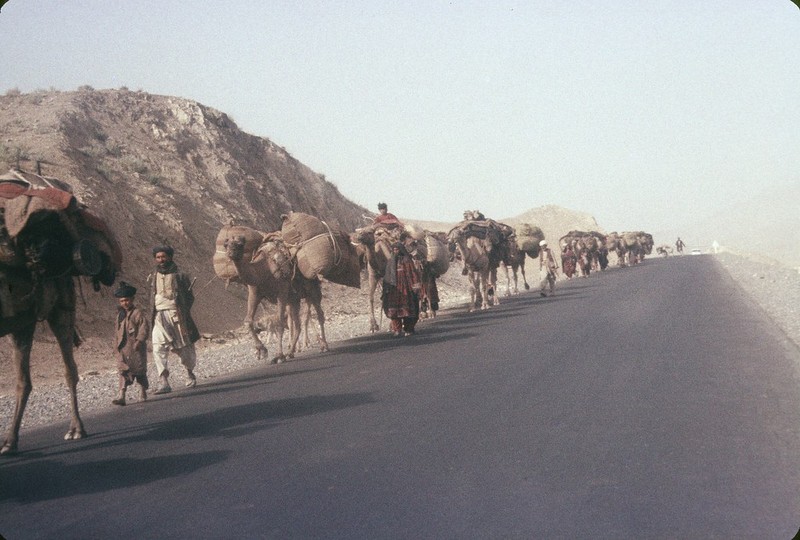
<point>438,256</point>
<point>321,252</point>
<point>528,238</point>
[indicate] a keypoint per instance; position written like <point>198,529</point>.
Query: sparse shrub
<point>114,150</point>
<point>135,164</point>
<point>104,172</point>
<point>85,88</point>
<point>93,151</point>
<point>13,92</point>
<point>154,179</point>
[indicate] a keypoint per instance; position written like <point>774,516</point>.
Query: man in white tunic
<point>173,327</point>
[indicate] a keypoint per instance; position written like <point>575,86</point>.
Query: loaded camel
<point>37,281</point>
<point>514,259</point>
<point>375,244</point>
<point>267,279</point>
<point>477,267</point>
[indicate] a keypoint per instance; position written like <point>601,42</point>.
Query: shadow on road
<point>48,479</point>
<point>38,475</point>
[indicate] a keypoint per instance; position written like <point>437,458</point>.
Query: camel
<point>375,244</point>
<point>40,264</point>
<point>477,267</point>
<point>514,260</point>
<point>265,280</point>
<point>589,248</point>
<point>615,244</point>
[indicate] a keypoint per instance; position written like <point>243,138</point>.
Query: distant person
<point>715,246</point>
<point>569,261</point>
<point>474,215</point>
<point>386,219</point>
<point>679,245</point>
<point>547,269</point>
<point>401,287</point>
<point>174,330</point>
<point>132,330</point>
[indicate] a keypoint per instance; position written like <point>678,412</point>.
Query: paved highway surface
<point>648,402</point>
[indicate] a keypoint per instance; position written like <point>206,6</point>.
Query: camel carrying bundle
<point>528,238</point>
<point>431,249</point>
<point>223,266</point>
<point>630,239</point>
<point>321,252</point>
<point>43,227</point>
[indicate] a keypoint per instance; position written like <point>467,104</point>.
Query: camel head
<point>234,248</point>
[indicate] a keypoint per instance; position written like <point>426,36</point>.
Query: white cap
<point>543,243</point>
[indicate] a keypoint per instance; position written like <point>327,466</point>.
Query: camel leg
<point>23,341</point>
<point>305,322</point>
<point>493,285</point>
<point>373,285</point>
<point>315,299</point>
<point>483,282</point>
<point>524,279</point>
<point>508,280</point>
<point>474,283</point>
<point>282,307</point>
<point>294,327</point>
<point>62,323</point>
<point>253,301</point>
<point>516,279</point>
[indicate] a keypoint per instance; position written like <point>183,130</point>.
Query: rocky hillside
<point>164,169</point>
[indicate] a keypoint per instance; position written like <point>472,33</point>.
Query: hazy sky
<point>644,113</point>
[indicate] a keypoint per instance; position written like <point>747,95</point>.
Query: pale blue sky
<point>645,113</point>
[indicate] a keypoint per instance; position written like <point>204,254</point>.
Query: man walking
<point>173,328</point>
<point>547,268</point>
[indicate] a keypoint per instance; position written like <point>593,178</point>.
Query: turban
<point>163,249</point>
<point>125,290</point>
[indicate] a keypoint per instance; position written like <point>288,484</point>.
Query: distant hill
<point>164,169</point>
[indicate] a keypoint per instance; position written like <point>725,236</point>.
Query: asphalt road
<point>648,402</point>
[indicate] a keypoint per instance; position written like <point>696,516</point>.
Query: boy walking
<point>132,329</point>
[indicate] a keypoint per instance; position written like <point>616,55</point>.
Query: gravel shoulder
<point>774,287</point>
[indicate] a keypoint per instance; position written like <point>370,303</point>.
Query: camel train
<point>48,240</point>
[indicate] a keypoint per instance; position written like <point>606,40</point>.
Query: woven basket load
<point>223,266</point>
<point>528,238</point>
<point>321,252</point>
<point>332,257</point>
<point>438,256</point>
<point>347,267</point>
<point>298,227</point>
